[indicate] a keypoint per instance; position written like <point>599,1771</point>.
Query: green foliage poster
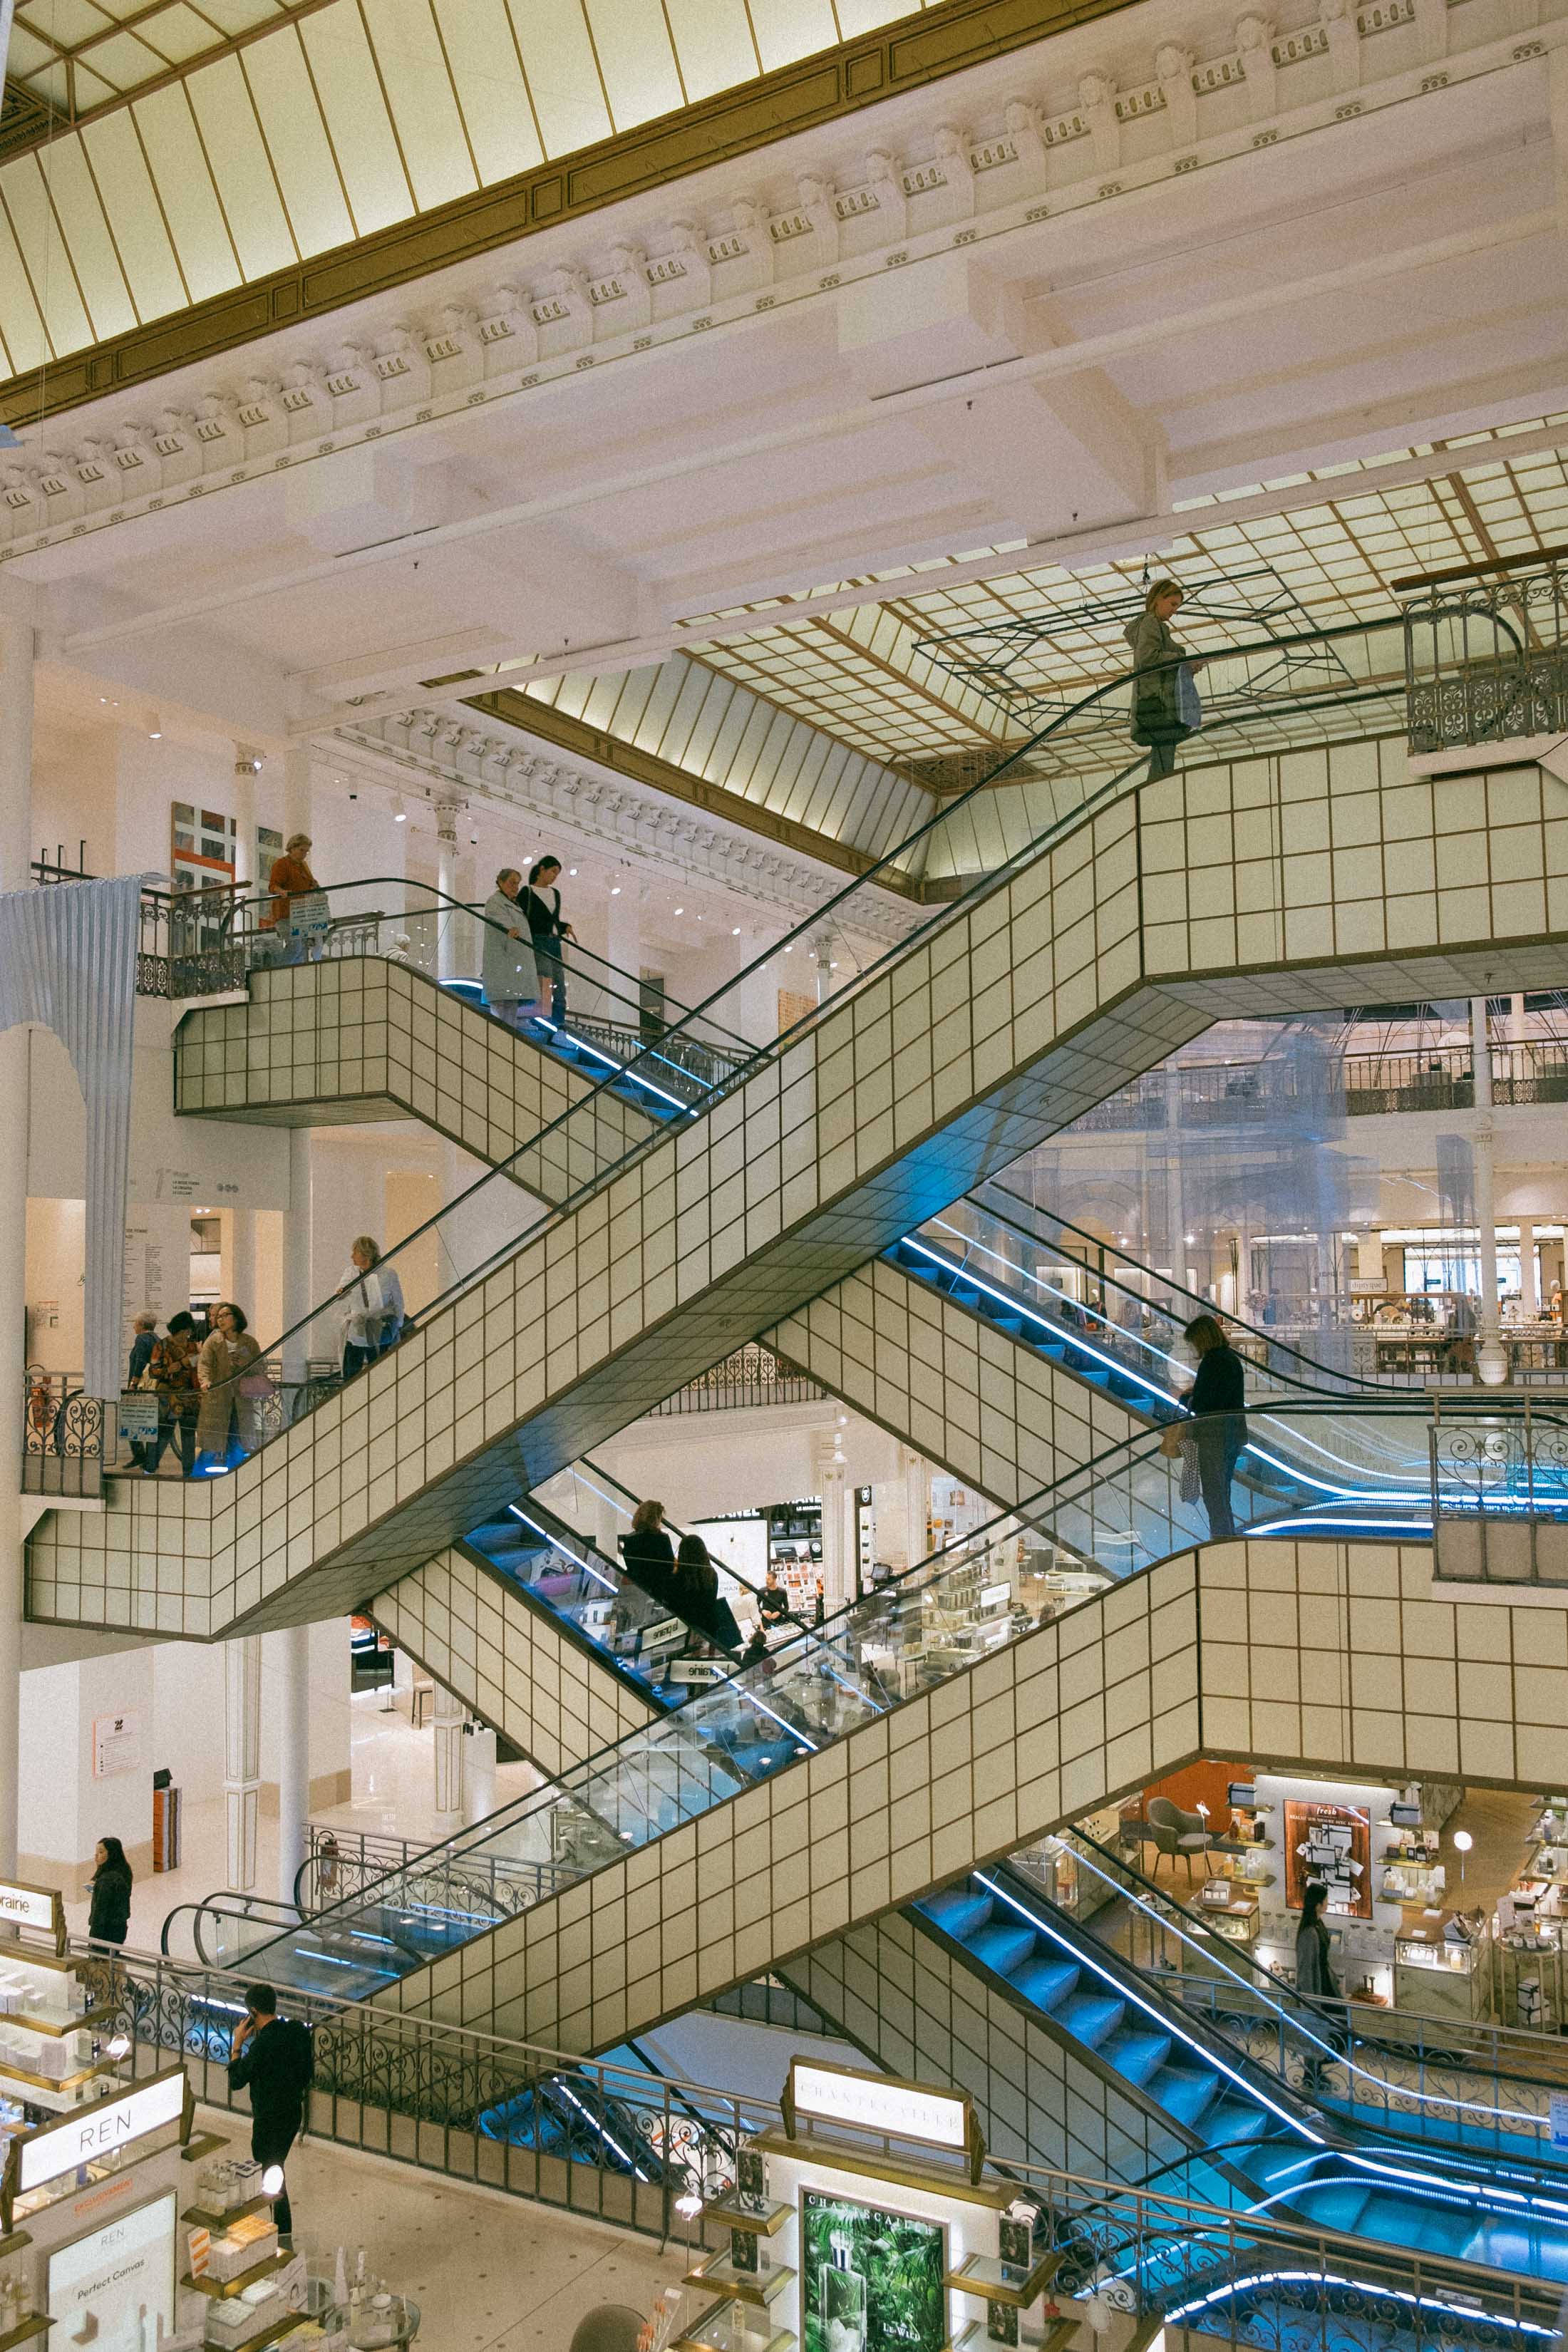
<point>871,2281</point>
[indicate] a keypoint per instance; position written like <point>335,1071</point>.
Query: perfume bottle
<point>842,2298</point>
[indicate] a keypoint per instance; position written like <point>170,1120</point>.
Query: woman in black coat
<point>698,1598</point>
<point>650,1556</point>
<point>1215,1401</point>
<point>110,1888</point>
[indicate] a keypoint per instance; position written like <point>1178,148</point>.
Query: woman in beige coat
<point>225,1357</point>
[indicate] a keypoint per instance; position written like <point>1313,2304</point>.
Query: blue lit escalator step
<point>1506,2245</point>
<point>1045,1984</point>
<point>957,1912</point>
<point>1002,1947</point>
<point>1137,2057</point>
<point>1342,2205</point>
<point>1235,2123</point>
<point>1092,2018</point>
<point>1186,2093</point>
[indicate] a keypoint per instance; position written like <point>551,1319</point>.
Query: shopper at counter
<point>1215,1401</point>
<point>271,2057</point>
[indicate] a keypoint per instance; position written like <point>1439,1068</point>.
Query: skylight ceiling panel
<point>661,701</point>
<point>860,789</point>
<point>546,690</point>
<point>788,30</point>
<point>717,696</point>
<point>713,45</point>
<point>179,33</point>
<point>358,122</point>
<point>190,200</point>
<point>125,63</point>
<point>491,92</point>
<point>809,797</point>
<point>425,112</point>
<point>67,23</point>
<point>52,83</point>
<point>135,215</point>
<point>758,717</point>
<point>233,16</point>
<point>857,16</point>
<point>599,704</point>
<point>44,256</point>
<point>25,57</point>
<point>637,686</point>
<point>732,727</point>
<point>694,687</point>
<point>82,222</point>
<point>636,59</point>
<point>772,761</point>
<point>26,346</point>
<point>572,692</point>
<point>236,154</point>
<point>89,91</point>
<point>563,82</point>
<point>280,83</point>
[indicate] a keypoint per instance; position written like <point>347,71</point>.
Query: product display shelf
<point>48,2026</point>
<point>761,2287</point>
<point>224,2290</point>
<point>764,2223</point>
<point>994,2281</point>
<point>271,2334</point>
<point>202,2217</point>
<point>733,2327</point>
<point>32,2327</point>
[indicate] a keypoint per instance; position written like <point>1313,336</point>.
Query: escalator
<point>998,1021</point>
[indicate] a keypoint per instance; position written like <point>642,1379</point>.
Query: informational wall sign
<point>97,2131</point>
<point>874,2102</point>
<point>116,2286</point>
<point>116,1744</point>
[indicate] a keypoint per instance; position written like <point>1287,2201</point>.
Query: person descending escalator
<point>1215,1401</point>
<point>1162,709</point>
<point>698,1599</point>
<point>1315,1978</point>
<point>650,1556</point>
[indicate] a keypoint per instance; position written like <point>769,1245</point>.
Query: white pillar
<point>1491,1361</point>
<point>916,1505</point>
<point>240,1279</point>
<point>298,1288</point>
<point>449,1743</point>
<point>245,873</point>
<point>832,1472</point>
<point>1529,1288</point>
<point>16,650</point>
<point>242,1755</point>
<point>623,951</point>
<point>479,1772</point>
<point>446,939</point>
<point>291,1665</point>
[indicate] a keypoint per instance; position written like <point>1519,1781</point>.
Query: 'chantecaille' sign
<point>91,2133</point>
<point>876,2103</point>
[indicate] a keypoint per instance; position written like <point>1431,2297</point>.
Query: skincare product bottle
<point>842,2289</point>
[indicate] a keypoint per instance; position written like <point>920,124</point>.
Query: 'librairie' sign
<point>88,2134</point>
<point>875,2102</point>
<point>29,1906</point>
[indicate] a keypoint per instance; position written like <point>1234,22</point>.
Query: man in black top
<point>1215,1401</point>
<point>271,2057</point>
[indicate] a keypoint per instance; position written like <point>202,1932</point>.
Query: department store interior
<point>783,1186</point>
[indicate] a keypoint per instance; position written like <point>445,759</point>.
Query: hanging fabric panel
<point>68,962</point>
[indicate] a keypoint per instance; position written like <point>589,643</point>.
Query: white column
<point>245,871</point>
<point>916,1505</point>
<point>832,1472</point>
<point>240,1281</point>
<point>623,950</point>
<point>291,1665</point>
<point>1529,1289</point>
<point>242,1755</point>
<point>449,1745</point>
<point>298,1293</point>
<point>15,851</point>
<point>479,1772</point>
<point>1492,1361</point>
<point>447,940</point>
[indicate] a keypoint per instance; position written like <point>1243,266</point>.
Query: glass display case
<point>1442,1967</point>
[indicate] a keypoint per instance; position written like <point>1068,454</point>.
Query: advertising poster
<point>871,2281</point>
<point>113,2288</point>
<point>1333,1844</point>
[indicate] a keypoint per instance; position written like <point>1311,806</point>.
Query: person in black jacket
<point>698,1599</point>
<point>542,905</point>
<point>110,1886</point>
<point>1215,1401</point>
<point>271,2057</point>
<point>648,1555</point>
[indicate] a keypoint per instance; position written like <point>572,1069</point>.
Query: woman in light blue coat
<point>509,974</point>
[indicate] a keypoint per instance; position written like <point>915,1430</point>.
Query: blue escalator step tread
<point>1138,2055</point>
<point>1505,2245</point>
<point>1092,2018</point>
<point>1234,2121</point>
<point>1338,2205</point>
<point>1186,2093</point>
<point>1002,1946</point>
<point>1047,1983</point>
<point>957,1912</point>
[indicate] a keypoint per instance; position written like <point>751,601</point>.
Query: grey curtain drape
<point>68,962</point>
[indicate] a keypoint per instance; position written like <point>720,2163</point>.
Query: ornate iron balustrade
<point>63,1435</point>
<point>342,1863</point>
<point>752,1375</point>
<point>1487,662</point>
<point>1498,1482</point>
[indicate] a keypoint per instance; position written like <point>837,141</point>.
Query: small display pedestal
<point>51,2034</point>
<point>1438,1976</point>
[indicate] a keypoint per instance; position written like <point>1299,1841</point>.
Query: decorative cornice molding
<point>638,822</point>
<point>1039,157</point>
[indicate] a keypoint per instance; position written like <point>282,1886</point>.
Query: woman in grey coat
<point>1156,656</point>
<point>509,974</point>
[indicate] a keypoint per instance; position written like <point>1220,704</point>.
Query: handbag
<point>1189,702</point>
<point>1171,1441</point>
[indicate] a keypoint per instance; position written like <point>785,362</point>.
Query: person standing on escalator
<point>542,905</point>
<point>1315,1978</point>
<point>1217,1401</point>
<point>648,1556</point>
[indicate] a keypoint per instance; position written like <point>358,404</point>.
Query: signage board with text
<point>87,2134</point>
<point>31,1906</point>
<point>876,2103</point>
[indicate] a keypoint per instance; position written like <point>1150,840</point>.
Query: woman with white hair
<point>290,878</point>
<point>509,973</point>
<point>372,1306</point>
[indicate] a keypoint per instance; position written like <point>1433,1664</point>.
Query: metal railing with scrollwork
<point>1498,1483</point>
<point>1487,661</point>
<point>63,1435</point>
<point>752,1375</point>
<point>343,1862</point>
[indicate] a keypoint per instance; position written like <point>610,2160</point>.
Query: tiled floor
<point>489,2272</point>
<point>393,1791</point>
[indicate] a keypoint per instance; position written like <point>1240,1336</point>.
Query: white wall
<point>703,1463</point>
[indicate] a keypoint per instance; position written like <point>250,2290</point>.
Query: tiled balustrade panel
<point>355,1037</point>
<point>995,1413</point>
<point>1019,1011</point>
<point>507,1662</point>
<point>924,2017</point>
<point>1335,1658</point>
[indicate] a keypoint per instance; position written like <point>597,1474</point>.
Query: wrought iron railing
<point>1498,1509</point>
<point>1487,661</point>
<point>342,1863</point>
<point>63,1435</point>
<point>752,1375</point>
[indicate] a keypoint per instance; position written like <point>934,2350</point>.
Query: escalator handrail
<point>943,911</point>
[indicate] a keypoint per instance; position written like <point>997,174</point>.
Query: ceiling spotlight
<point>154,728</point>
<point>680,910</point>
<point>789,951</point>
<point>400,817</point>
<point>615,889</point>
<point>571,869</point>
<point>736,933</point>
